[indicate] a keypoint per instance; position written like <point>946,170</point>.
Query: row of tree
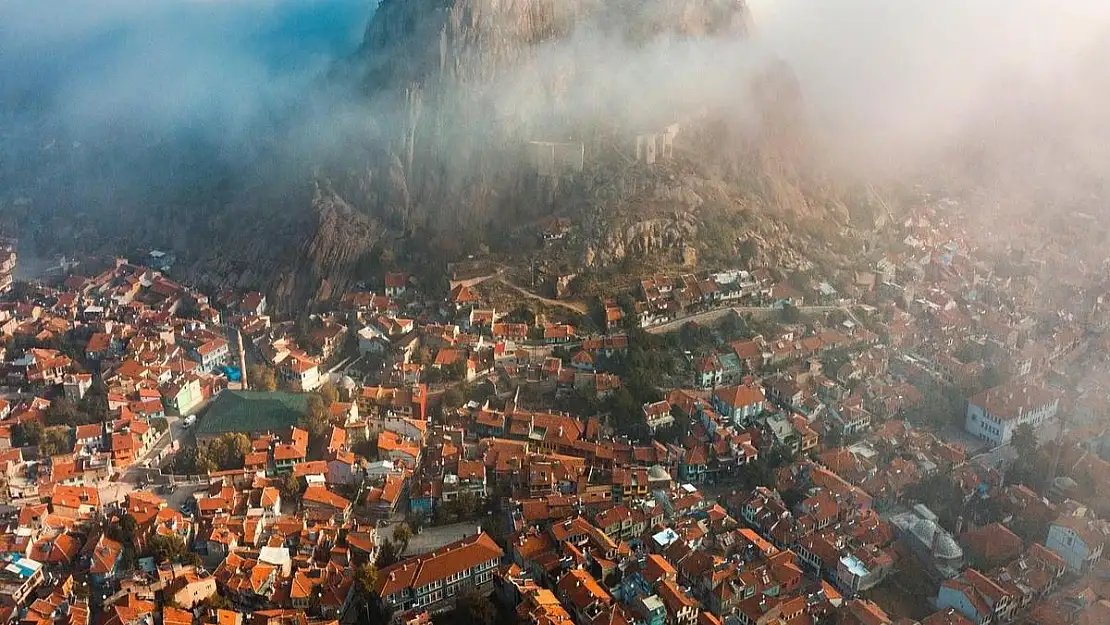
<point>93,408</point>
<point>50,441</point>
<point>226,451</point>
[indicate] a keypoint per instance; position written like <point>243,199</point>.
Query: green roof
<point>252,411</point>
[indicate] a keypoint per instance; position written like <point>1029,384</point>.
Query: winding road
<point>710,316</point>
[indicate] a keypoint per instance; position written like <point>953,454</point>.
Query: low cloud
<point>904,81</point>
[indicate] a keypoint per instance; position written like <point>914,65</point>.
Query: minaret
<point>1056,454</point>
<point>242,361</point>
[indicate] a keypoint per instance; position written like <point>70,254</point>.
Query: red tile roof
<point>439,564</point>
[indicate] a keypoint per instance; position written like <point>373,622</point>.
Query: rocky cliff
<point>611,113</point>
<point>626,117</point>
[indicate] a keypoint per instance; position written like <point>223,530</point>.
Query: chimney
<point>242,361</point>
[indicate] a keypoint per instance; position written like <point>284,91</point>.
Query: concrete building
<point>739,404</point>
<point>433,580</point>
<point>1079,541</point>
<point>994,414</point>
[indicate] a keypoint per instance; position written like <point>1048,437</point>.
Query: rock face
<point>507,111</point>
<point>625,117</point>
<point>660,236</point>
<point>469,86</point>
<point>341,239</point>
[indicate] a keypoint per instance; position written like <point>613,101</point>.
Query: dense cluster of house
<point>777,485</point>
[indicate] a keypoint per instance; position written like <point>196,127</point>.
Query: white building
<point>76,385</point>
<point>994,414</point>
<point>658,415</point>
<point>1078,541</point>
<point>372,341</point>
<point>212,353</point>
<point>739,404</point>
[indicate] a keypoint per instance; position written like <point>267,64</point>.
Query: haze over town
<point>554,312</point>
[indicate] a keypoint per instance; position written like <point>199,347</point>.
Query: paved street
<point>714,315</point>
<point>140,468</point>
<point>113,492</point>
<point>180,493</point>
<point>116,491</point>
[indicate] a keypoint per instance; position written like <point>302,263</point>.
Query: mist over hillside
<point>128,106</point>
<point>343,132</point>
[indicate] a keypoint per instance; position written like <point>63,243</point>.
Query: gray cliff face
<point>663,235</point>
<point>492,114</point>
<point>468,84</point>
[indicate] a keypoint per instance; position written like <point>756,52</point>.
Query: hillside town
<point>923,441</point>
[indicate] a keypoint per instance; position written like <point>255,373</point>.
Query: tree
<point>94,405</point>
<point>614,578</point>
<point>289,487</point>
<point>626,414</point>
<point>366,576</point>
<point>1024,439</point>
<point>402,533</point>
<point>452,398</point>
<point>941,494</point>
<point>218,602</point>
<point>1031,469</point>
<point>225,452</point>
<point>456,370</point>
<point>26,434</point>
<point>468,505</point>
<point>790,314</point>
<point>262,378</point>
<point>733,327</point>
<point>317,421</point>
<point>193,461</point>
<point>55,441</point>
<point>328,393</point>
<point>167,548</point>
<point>61,411</point>
<point>757,473</point>
<point>124,531</point>
<point>188,309</point>
<point>434,375</point>
<point>969,352</point>
<point>992,376</point>
<point>363,446</point>
<point>375,610</point>
<point>695,337</point>
<point>474,608</point>
<point>521,314</point>
<point>387,554</point>
<point>942,406</point>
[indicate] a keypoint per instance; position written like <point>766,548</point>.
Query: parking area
<point>430,538</point>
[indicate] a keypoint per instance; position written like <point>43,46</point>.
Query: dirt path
<point>475,281</point>
<point>578,307</point>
